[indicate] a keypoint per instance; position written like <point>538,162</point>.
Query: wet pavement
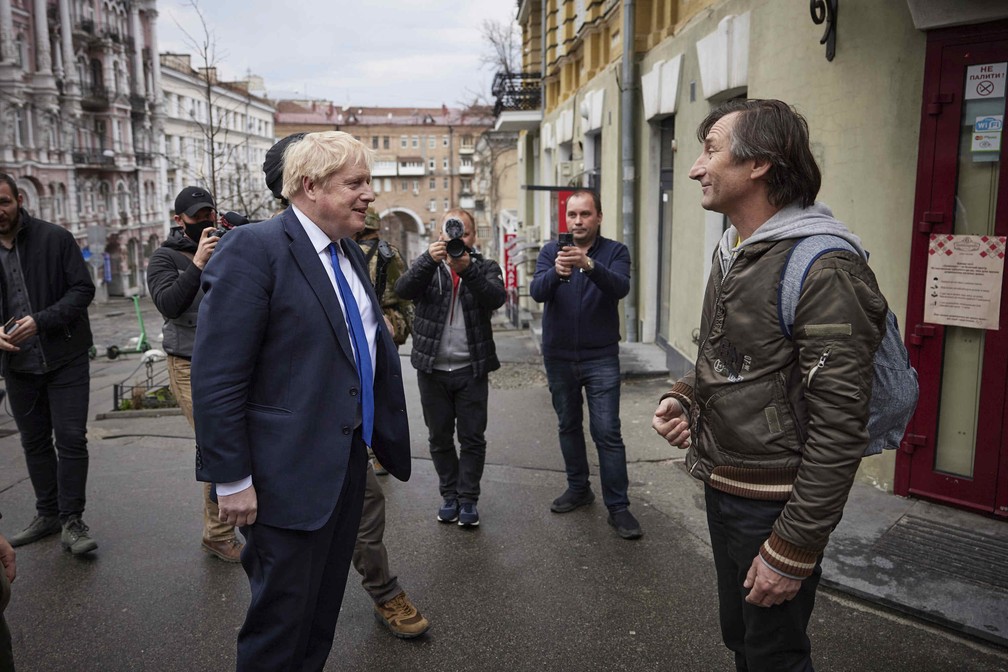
<point>527,590</point>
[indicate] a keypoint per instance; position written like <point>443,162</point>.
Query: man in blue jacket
<point>46,289</point>
<point>581,285</point>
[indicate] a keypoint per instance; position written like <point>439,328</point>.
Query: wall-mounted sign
<point>964,280</point>
<point>987,133</point>
<point>986,81</point>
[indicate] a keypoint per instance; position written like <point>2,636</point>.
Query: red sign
<point>510,271</point>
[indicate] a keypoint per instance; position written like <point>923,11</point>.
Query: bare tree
<point>502,55</point>
<point>229,178</point>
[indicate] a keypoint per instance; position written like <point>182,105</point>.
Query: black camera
<point>454,229</point>
<point>229,220</point>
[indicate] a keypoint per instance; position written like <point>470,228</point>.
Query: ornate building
<point>426,163</point>
<point>80,125</point>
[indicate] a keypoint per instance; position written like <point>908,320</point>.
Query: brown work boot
<point>228,550</point>
<point>401,617</point>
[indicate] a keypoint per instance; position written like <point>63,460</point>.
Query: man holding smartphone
<point>46,289</point>
<point>581,281</point>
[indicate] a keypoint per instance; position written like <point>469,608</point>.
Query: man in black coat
<point>453,351</point>
<point>173,278</point>
<point>46,289</point>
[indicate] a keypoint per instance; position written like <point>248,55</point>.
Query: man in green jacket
<point>775,427</point>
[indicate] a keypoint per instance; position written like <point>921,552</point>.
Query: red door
<point>955,450</point>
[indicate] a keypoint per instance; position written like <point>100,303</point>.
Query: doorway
<point>955,450</point>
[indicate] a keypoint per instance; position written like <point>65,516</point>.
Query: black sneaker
<point>75,537</point>
<point>571,500</point>
<point>468,516</point>
<point>626,525</point>
<point>449,511</point>
<point>39,528</point>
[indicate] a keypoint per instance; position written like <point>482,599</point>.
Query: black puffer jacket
<point>174,283</point>
<point>429,285</point>
<point>59,289</point>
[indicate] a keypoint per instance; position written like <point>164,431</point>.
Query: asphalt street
<point>527,590</point>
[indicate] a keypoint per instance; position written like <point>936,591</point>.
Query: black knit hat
<point>273,165</point>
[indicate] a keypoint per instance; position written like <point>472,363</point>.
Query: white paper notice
<point>964,280</point>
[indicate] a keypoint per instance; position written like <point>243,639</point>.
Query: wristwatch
<point>590,267</point>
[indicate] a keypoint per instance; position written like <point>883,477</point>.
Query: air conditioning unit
<point>568,172</point>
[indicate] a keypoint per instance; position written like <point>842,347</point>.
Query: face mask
<point>195,230</point>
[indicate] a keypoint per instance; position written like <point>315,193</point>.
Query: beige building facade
<point>877,94</point>
<point>428,160</point>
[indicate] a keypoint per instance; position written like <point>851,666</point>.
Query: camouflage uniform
<point>398,311</point>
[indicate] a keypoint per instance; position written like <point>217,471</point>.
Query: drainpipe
<point>627,95</point>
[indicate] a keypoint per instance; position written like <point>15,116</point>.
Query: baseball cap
<point>193,199</point>
<point>273,165</point>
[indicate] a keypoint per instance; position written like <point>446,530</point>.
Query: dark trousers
<point>600,380</point>
<point>453,399</point>
<point>764,639</point>
<point>48,404</point>
<point>370,557</point>
<point>297,580</point>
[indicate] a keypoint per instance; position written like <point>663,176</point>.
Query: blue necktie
<point>362,353</point>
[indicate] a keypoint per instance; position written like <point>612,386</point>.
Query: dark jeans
<point>456,399</point>
<point>764,639</point>
<point>600,380</point>
<point>54,403</point>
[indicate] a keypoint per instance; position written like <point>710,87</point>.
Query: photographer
<point>173,278</point>
<point>455,292</point>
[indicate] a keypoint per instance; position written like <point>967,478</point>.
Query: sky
<point>388,53</point>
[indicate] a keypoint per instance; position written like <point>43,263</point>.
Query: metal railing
<point>517,92</point>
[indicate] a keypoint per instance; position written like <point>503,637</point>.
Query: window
<point>403,141</point>
<point>403,185</point>
<point>444,140</point>
<point>432,184</point>
<point>467,140</point>
<point>416,140</point>
<point>467,185</point>
<point>431,141</point>
<point>430,164</point>
<point>446,183</point>
<point>374,142</point>
<point>444,164</point>
<point>447,205</point>
<point>385,142</point>
<point>388,184</point>
<point>376,186</point>
<point>416,185</point>
<point>432,205</point>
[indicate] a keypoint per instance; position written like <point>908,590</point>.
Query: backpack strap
<point>799,261</point>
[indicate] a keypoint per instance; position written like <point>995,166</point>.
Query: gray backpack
<point>894,389</point>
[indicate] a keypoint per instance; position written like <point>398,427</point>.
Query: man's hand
<point>573,257</point>
<point>459,264</point>
<point>671,422</point>
<point>7,559</point>
<point>205,248</point>
<point>438,250</point>
<point>767,587</point>
<point>562,264</point>
<point>12,338</point>
<point>240,508</point>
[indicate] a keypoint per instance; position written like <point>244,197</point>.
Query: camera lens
<point>455,248</point>
<point>454,228</point>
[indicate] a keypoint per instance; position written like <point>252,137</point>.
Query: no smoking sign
<point>986,81</point>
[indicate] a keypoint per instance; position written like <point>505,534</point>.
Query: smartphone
<point>565,240</point>
<point>10,325</point>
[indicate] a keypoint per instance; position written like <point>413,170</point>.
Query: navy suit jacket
<point>274,383</point>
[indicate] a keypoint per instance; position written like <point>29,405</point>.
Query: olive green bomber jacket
<point>778,419</point>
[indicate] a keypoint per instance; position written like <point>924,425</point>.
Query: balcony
<point>145,159</point>
<point>519,101</point>
<point>412,168</point>
<point>86,26</point>
<point>384,169</point>
<point>93,157</point>
<point>94,98</point>
<point>466,169</point>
